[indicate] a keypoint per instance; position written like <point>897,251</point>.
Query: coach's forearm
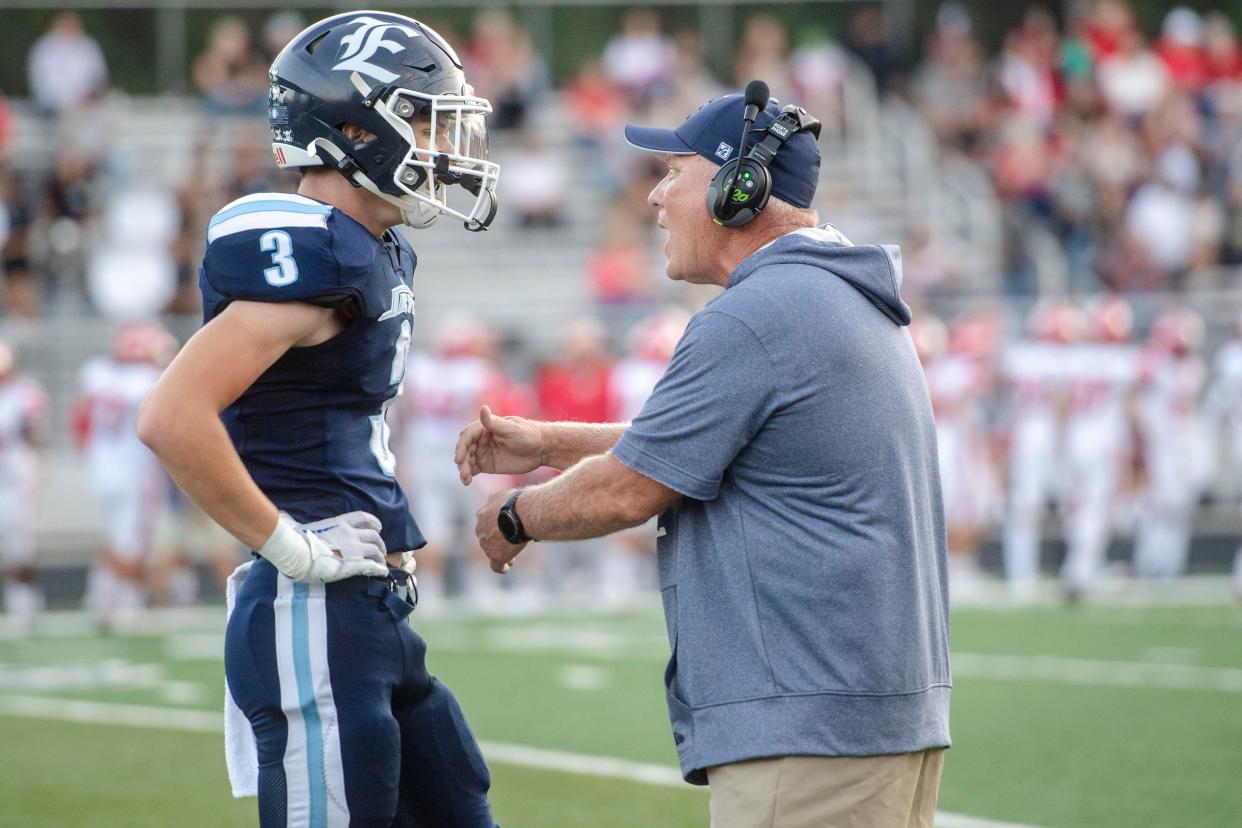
<point>565,444</point>
<point>200,458</point>
<point>588,501</point>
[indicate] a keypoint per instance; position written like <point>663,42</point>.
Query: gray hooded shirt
<point>803,570</point>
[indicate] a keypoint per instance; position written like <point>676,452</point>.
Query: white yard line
<point>605,646</point>
<point>206,721</point>
<point>127,715</point>
<point>1160,674</point>
<point>1097,673</point>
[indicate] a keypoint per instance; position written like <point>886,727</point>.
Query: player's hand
<point>499,551</point>
<point>354,536</point>
<point>328,550</point>
<point>498,445</point>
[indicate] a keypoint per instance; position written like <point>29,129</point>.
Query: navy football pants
<point>352,731</point>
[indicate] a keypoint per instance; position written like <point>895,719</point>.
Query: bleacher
<point>878,158</point>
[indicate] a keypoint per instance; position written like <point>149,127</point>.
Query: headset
<point>741,188</point>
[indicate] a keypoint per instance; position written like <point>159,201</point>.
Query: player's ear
<point>356,134</point>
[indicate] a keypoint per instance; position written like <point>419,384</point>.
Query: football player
<point>960,382</point>
<point>124,475</point>
<point>23,425</point>
<point>1035,375</point>
<point>629,563</point>
<point>443,388</point>
<point>1172,378</point>
<point>1223,402</point>
<point>649,348</point>
<point>1103,371</point>
<point>272,419</point>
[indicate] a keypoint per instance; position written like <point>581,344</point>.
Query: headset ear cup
<point>729,212</point>
<point>754,196</point>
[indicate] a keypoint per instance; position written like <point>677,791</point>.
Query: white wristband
<point>288,550</point>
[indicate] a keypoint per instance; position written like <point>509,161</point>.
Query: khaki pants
<point>827,791</point>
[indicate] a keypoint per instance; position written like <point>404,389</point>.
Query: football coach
<point>789,452</point>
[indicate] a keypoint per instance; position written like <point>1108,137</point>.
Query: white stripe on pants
<point>314,775</point>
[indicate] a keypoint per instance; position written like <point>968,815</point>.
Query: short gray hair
<point>782,212</point>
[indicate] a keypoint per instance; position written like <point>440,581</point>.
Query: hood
<point>874,270</point>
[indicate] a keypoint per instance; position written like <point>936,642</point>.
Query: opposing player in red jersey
<point>1036,380</point>
<point>443,388</point>
<point>1222,405</point>
<point>629,564</point>
<point>1103,371</point>
<point>23,422</point>
<point>125,476</point>
<point>959,382</point>
<point>1172,378</point>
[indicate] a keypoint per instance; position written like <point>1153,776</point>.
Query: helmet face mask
<point>325,78</point>
<point>452,154</point>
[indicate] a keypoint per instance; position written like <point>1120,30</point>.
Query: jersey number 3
<point>285,270</point>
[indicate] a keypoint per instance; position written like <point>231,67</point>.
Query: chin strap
<point>419,215</point>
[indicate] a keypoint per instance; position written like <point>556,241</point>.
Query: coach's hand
<point>498,550</point>
<point>498,445</point>
<point>327,550</point>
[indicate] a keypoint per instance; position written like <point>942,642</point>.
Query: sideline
<point>206,721</point>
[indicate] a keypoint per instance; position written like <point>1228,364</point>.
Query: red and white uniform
<point>958,385</point>
<point>1097,441</point>
<point>1224,402</point>
<point>440,396</point>
<point>1168,412</point>
<point>631,383</point>
<point>651,346</point>
<point>1036,380</point>
<point>23,411</point>
<point>125,476</point>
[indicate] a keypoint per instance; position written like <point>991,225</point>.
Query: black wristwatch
<point>510,524</point>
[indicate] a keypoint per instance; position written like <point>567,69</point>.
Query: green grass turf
<point>107,777</point>
<point>1070,755</point>
<point>1035,751</point>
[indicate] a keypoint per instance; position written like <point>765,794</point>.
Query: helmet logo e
<point>365,42</point>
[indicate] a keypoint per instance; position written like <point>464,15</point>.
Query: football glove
<point>327,550</point>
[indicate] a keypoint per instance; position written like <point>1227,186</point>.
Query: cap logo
<point>724,151</point>
<point>368,39</point>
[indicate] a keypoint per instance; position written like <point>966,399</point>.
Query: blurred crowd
<point>1123,146</point>
<point>56,235</point>
<point>1116,147</point>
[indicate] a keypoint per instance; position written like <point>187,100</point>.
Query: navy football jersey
<point>312,430</point>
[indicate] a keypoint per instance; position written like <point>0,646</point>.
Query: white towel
<point>241,753</point>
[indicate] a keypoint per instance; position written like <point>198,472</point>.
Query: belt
<point>398,593</point>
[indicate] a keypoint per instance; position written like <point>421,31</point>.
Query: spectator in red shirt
<point>1222,58</point>
<point>595,104</point>
<point>619,268</point>
<point>575,387</point>
<point>1111,21</point>
<point>1180,47</point>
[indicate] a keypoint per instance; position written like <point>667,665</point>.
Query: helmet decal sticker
<point>365,42</point>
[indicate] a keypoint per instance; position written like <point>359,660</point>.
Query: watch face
<point>508,526</point>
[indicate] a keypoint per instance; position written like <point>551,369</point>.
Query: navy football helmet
<point>398,79</point>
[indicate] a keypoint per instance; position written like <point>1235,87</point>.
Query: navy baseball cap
<point>713,132</point>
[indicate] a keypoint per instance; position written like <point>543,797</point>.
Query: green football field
<point>1103,715</point>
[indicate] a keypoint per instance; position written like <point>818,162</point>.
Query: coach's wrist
<point>544,434</point>
<point>287,549</point>
<point>558,445</point>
